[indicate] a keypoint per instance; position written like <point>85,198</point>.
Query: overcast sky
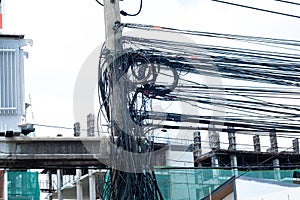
<point>65,32</point>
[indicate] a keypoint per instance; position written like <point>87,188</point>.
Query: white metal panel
<point>8,82</point>
<point>12,104</point>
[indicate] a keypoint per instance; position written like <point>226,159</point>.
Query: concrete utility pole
<point>113,44</point>
<point>117,99</point>
<point>111,16</point>
<point>130,175</point>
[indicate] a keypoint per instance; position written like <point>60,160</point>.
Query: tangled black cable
<point>267,67</point>
<point>125,182</point>
<point>154,71</point>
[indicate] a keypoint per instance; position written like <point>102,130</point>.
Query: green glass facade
<point>23,185</point>
<point>197,183</point>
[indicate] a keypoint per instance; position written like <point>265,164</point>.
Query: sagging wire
<point>101,4</point>
<point>157,71</point>
<point>289,2</point>
<point>255,8</point>
<point>122,12</point>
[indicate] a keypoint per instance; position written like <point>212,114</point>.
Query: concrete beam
<point>23,152</point>
<point>58,152</point>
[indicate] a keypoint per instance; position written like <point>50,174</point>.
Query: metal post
<point>215,164</point>
<point>79,194</point>
<point>276,165</point>
<point>50,185</point>
<point>5,184</point>
<point>234,164</point>
<point>59,184</point>
<point>92,185</point>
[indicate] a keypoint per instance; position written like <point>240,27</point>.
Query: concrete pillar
<point>79,191</point>
<point>296,145</point>
<point>50,185</point>
<point>197,145</point>
<point>215,163</point>
<point>276,165</point>
<point>92,185</point>
<point>59,184</point>
<point>231,138</point>
<point>273,141</point>
<point>234,164</point>
<point>256,143</point>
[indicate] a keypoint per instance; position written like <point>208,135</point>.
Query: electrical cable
<point>134,185</point>
<point>290,2</point>
<point>53,126</point>
<point>255,8</point>
<point>211,34</point>
<point>122,12</point>
<point>168,72</point>
<point>58,127</point>
<point>101,4</point>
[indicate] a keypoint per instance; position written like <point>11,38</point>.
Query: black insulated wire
<point>289,2</point>
<point>255,8</point>
<point>122,12</point>
<point>101,4</point>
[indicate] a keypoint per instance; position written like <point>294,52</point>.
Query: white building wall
<point>252,190</point>
<point>179,159</point>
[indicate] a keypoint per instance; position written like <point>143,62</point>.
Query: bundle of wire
<point>260,95</point>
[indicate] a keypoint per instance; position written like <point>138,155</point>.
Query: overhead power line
<point>122,12</point>
<point>53,126</point>
<point>259,9</point>
<point>250,113</point>
<point>99,3</point>
<point>290,2</point>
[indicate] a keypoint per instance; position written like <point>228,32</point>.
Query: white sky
<point>65,32</point>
